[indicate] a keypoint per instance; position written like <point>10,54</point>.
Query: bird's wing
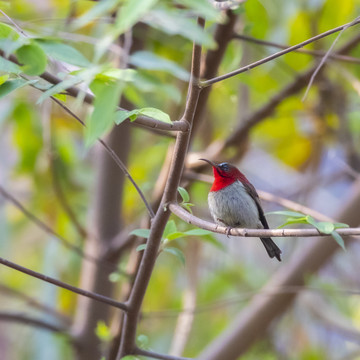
<point>253,193</point>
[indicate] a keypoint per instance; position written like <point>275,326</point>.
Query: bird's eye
<point>224,167</point>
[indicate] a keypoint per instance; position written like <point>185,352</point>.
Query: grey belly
<point>234,207</point>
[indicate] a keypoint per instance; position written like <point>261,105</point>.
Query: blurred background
<point>305,150</point>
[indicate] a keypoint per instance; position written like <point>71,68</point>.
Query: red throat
<point>221,182</point>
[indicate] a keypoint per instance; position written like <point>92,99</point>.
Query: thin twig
<point>276,55</point>
<point>30,301</point>
<point>89,294</point>
<point>47,229</point>
<point>18,28</point>
<point>33,322</point>
<point>203,224</point>
<point>323,60</point>
<point>159,356</point>
<point>316,53</point>
<point>112,153</point>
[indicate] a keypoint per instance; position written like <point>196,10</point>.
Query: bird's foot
<point>228,229</point>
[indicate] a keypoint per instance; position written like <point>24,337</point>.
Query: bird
<point>234,202</point>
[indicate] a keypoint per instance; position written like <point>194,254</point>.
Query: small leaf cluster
<point>186,204</point>
<point>324,227</point>
<point>172,233</point>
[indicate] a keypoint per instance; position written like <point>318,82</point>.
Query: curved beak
<point>210,162</point>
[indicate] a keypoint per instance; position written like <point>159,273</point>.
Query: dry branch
<point>278,54</point>
<point>147,264</point>
<point>203,224</point>
<point>89,294</point>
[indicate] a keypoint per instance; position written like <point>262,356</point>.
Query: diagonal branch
<point>74,289</point>
<point>155,355</point>
<point>316,53</point>
<point>276,55</point>
<point>127,344</point>
<point>73,91</point>
<point>31,321</point>
<point>203,224</point>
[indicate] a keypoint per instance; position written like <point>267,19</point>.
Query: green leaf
<point>7,31</point>
<point>33,58</point>
<point>131,13</point>
<point>146,82</point>
<point>286,213</point>
<point>173,22</point>
<point>325,227</point>
<point>141,247</point>
<point>184,194</point>
<point>290,221</point>
<point>63,52</point>
<point>338,239</point>
<point>311,220</point>
<point>202,8</point>
<point>155,114</point>
<point>142,341</point>
<point>144,233</point>
<point>150,61</point>
<point>176,252</point>
<point>12,85</point>
<point>211,239</point>
<point>187,206</point>
<point>9,67</point>
<point>98,10</point>
<point>120,74</point>
<point>169,228</point>
<point>103,332</point>
<point>107,96</point>
<point>340,225</point>
<point>198,232</point>
<point>62,86</point>
<point>122,115</point>
<point>175,235</point>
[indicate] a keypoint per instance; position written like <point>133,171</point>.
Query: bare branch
<point>89,294</point>
<point>30,301</point>
<point>316,53</point>
<point>276,55</point>
<point>28,320</point>
<point>155,355</point>
<point>203,224</point>
<point>323,60</point>
<point>137,294</point>
<point>44,227</point>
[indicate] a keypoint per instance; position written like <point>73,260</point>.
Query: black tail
<point>271,248</point>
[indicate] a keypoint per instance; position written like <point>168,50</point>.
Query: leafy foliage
<point>323,227</point>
